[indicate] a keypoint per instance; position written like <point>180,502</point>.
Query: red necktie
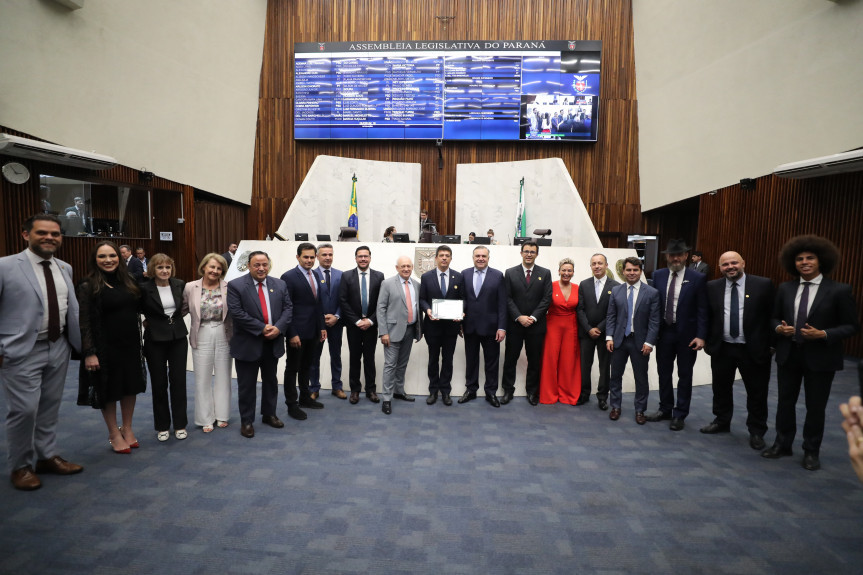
<point>527,277</point>
<point>263,299</point>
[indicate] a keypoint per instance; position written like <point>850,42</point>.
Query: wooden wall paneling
<point>605,172</point>
<point>758,223</point>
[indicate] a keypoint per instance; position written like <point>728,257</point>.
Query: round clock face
<point>16,173</point>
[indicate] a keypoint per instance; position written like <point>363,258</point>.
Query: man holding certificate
<point>441,299</point>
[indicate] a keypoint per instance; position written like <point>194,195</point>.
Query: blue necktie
<point>734,328</point>
<point>364,292</point>
<point>443,284</point>
<point>327,273</point>
<point>629,312</point>
<point>477,282</point>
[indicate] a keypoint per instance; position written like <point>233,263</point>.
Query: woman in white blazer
<point>209,335</point>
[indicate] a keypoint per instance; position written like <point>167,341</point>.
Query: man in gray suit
<point>593,296</point>
<point>633,329</point>
<point>399,326</point>
<point>38,327</point>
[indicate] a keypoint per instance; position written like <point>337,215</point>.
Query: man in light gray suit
<point>38,328</point>
<point>399,326</point>
<point>632,331</point>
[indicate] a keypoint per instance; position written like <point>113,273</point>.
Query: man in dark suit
<point>141,256</point>
<point>329,279</point>
<point>633,329</point>
<point>811,316</point>
<point>740,337</point>
<point>682,332</point>
<point>399,326</point>
<point>261,312</point>
<point>305,332</point>
<point>593,296</point>
<point>528,292</point>
<point>133,264</point>
<point>484,325</point>
<point>358,300</point>
<point>698,265</point>
<point>441,334</point>
<point>229,255</point>
<point>38,329</point>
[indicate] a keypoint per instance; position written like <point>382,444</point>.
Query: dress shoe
<point>776,451</point>
<point>314,395</point>
<point>387,407</point>
<point>810,461</point>
<point>506,397</point>
<point>272,421</point>
<point>297,413</point>
<point>446,399</point>
<point>639,418</point>
<point>341,394</point>
<point>532,398</point>
<point>492,399</point>
<point>431,399</point>
<point>247,430</point>
<point>355,397</point>
<point>603,404</point>
<point>310,403</point>
<point>658,416</point>
<point>677,424</point>
<point>58,466</point>
<point>467,396</point>
<point>25,480</point>
<point>404,397</point>
<point>614,415</point>
<point>756,441</point>
<point>582,401</point>
<point>372,396</point>
<point>714,427</point>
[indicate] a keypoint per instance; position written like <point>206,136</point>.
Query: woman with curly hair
<point>112,370</point>
<point>812,314</point>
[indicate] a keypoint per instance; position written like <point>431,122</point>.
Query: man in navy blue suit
<point>305,332</point>
<point>632,329</point>
<point>682,332</point>
<point>484,325</point>
<point>329,279</point>
<point>441,334</point>
<point>261,311</point>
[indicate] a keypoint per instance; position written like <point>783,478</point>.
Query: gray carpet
<point>461,489</point>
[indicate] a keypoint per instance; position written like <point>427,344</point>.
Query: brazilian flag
<point>353,220</point>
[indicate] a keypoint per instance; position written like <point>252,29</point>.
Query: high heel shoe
<point>135,445</point>
<point>119,451</point>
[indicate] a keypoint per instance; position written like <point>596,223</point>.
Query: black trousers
<point>518,336</point>
<point>670,347</point>
<point>588,345</point>
<point>297,366</point>
<point>361,345</point>
<point>817,385</point>
<point>247,384</point>
<point>441,347</point>
<point>491,357</point>
<point>756,377</point>
<point>166,362</point>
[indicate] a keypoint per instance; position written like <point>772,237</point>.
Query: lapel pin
<point>747,295</point>
<point>540,278</point>
<point>271,291</point>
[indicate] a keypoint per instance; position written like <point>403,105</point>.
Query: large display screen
<point>471,90</point>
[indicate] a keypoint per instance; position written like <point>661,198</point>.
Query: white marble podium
<point>384,256</point>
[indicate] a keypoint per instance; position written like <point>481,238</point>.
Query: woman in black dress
<point>165,345</point>
<point>113,367</point>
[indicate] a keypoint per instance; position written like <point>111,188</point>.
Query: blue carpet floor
<point>461,489</point>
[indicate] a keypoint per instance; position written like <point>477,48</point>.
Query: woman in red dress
<point>561,366</point>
